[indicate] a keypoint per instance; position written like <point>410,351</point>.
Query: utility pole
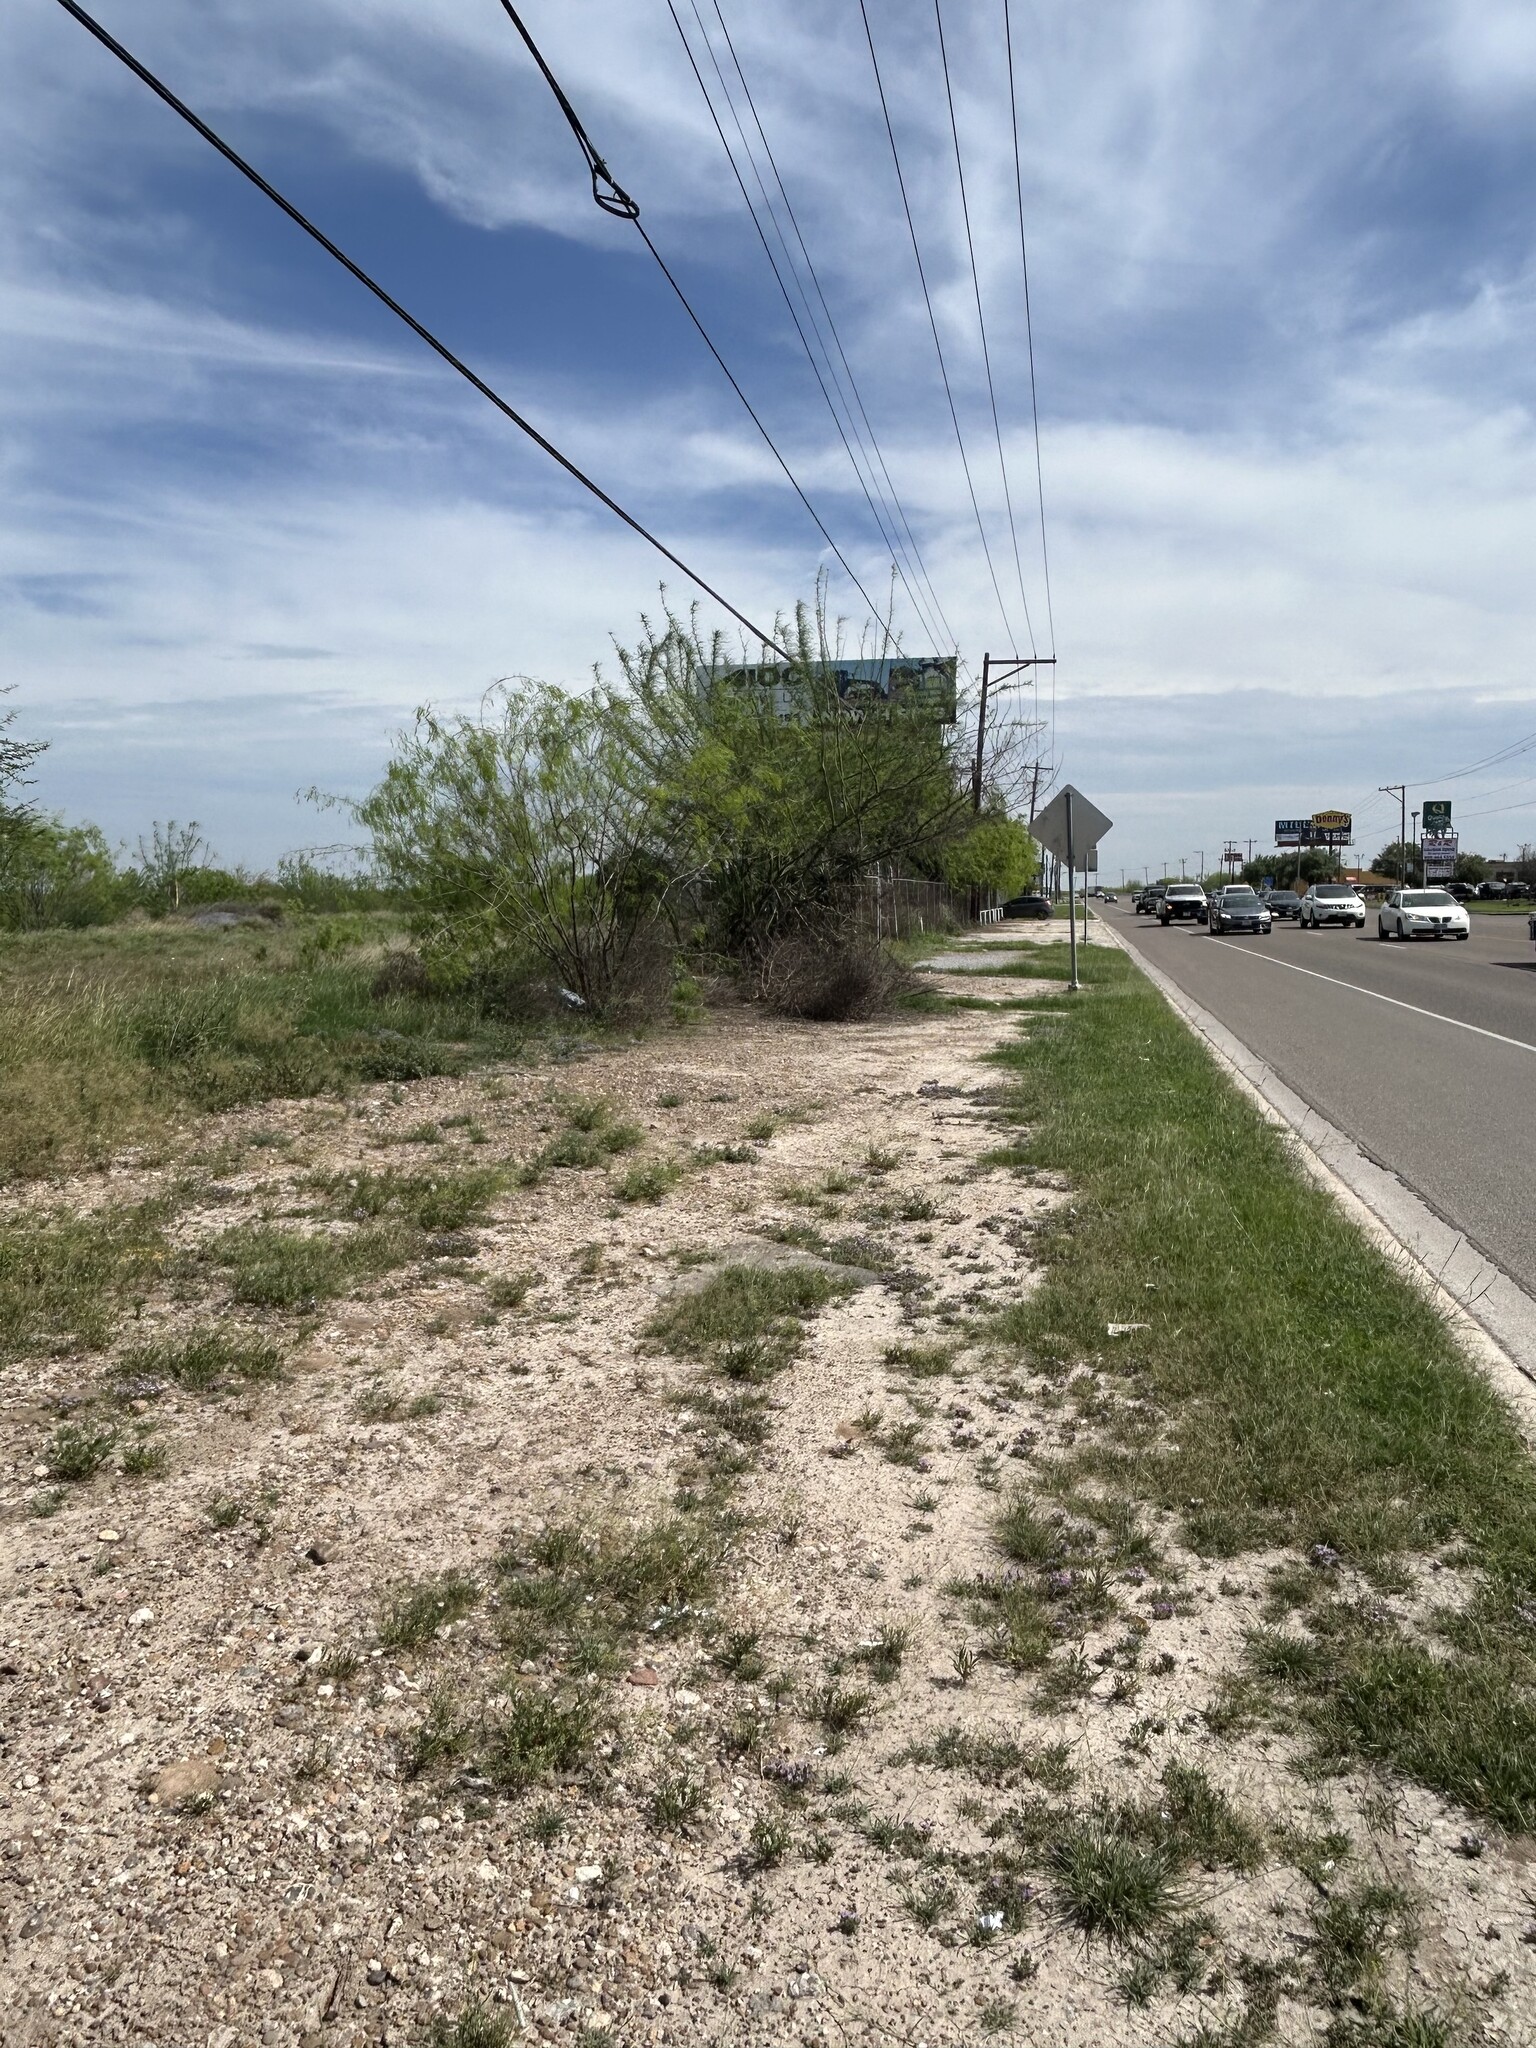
<point>1400,791</point>
<point>1007,667</point>
<point>1418,849</point>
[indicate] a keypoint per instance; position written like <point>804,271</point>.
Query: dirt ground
<point>210,1834</point>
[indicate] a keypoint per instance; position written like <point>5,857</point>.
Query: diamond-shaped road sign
<point>1070,826</point>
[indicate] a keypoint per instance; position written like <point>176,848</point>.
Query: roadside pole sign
<point>1071,828</point>
<point>1437,818</point>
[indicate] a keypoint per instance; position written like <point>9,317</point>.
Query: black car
<point>1283,903</point>
<point>1027,906</point>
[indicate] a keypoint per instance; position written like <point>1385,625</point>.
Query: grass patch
<point>413,1614</point>
<point>996,1759</point>
<point>113,1033</point>
<point>741,1306</point>
<point>66,1280</point>
<point>274,1267</point>
<point>430,1201</point>
<point>1315,1403</point>
<point>584,1598</point>
<point>78,1453</point>
<point>648,1181</point>
<point>204,1360</point>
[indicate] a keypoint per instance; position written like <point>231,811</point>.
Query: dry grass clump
<point>829,978</point>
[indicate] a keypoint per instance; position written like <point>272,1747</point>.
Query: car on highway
<point>1283,902</point>
<point>1147,899</point>
<point>1332,903</point>
<point>1182,900</point>
<point>1027,906</point>
<point>1108,896</point>
<point>1237,908</point>
<point>1422,914</point>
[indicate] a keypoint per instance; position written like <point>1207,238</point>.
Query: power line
<point>986,353</point>
<point>889,494</point>
<point>612,198</point>
<point>179,107</point>
<point>933,323</point>
<point>1029,326</point>
<point>777,273</point>
<point>1029,335</point>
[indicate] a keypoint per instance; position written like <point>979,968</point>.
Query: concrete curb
<point>1493,1317</point>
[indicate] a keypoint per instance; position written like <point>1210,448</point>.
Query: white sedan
<point>1422,914</point>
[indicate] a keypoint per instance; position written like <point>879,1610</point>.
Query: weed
<point>429,1201</point>
<point>537,1736</point>
<point>476,2026</point>
<point>65,1279</point>
<point>921,1361</point>
<point>413,1614</point>
<point>590,1138</point>
<point>841,1709</point>
<point>313,1762</point>
<point>882,1658</point>
<point>1388,2025</point>
<point>509,1290</point>
<point>880,1159</point>
<point>996,1760</point>
<point>998,2016</point>
<point>594,1593</point>
<point>963,1661</point>
<point>1352,1929</point>
<point>929,1903</point>
<point>669,1101</point>
<point>225,1512</point>
<point>546,1824</point>
<point>677,1800</point>
<point>439,1737</point>
<point>78,1453</point>
<point>1110,1885</point>
<point>769,1841</point>
<point>649,1181</point>
<point>338,1665</point>
<point>902,1444</point>
<point>1064,1681</point>
<point>745,1304</point>
<point>146,1461</point>
<point>200,1362</point>
<point>739,1656</point>
<point>272,1267</point>
<point>761,1129</point>
<point>47,1503</point>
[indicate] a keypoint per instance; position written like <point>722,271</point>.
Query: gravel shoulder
<point>220,1827</point>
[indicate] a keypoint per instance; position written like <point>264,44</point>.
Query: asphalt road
<point>1437,1082</point>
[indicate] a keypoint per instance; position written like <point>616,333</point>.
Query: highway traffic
<point>1423,1052</point>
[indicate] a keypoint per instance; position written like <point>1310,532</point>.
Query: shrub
<point>828,977</point>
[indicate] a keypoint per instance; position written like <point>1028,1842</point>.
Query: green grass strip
<point>1312,1396</point>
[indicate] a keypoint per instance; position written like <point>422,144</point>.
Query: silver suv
<point>1182,900</point>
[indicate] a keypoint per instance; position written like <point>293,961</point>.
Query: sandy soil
<point>209,1840</point>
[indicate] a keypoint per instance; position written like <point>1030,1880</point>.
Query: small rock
<point>141,1617</point>
<point>320,1552</point>
<point>643,1674</point>
<point>685,1698</point>
<point>109,1535</point>
<point>1471,1845</point>
<point>588,1873</point>
<point>196,1777</point>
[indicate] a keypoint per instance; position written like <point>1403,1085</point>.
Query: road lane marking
<point>1438,1016</point>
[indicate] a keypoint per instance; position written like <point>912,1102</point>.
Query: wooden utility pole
<point>1007,667</point>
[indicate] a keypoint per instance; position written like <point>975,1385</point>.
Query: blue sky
<point>1283,286</point>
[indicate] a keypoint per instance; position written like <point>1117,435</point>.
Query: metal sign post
<point>1070,826</point>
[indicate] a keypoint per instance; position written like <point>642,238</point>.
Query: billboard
<point>1323,828</point>
<point>1439,860</point>
<point>1437,817</point>
<point>923,682</point>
